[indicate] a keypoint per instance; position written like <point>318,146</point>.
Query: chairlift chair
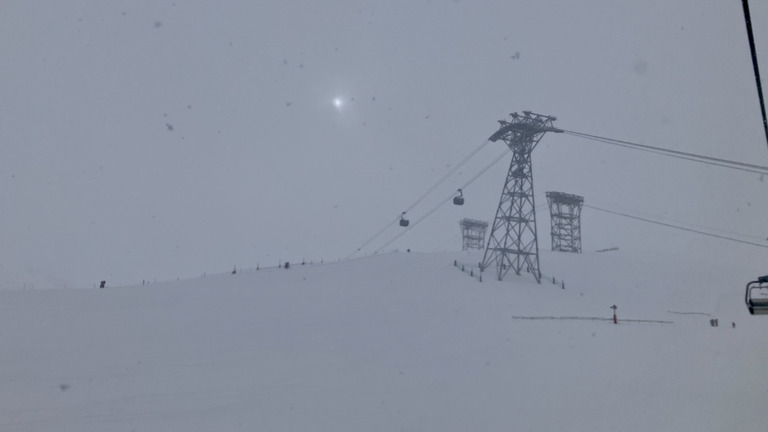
<point>459,200</point>
<point>403,221</point>
<point>757,305</point>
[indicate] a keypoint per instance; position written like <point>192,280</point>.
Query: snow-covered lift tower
<point>565,210</point>
<point>513,243</point>
<point>472,233</point>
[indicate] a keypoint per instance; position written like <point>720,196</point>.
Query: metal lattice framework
<point>565,211</point>
<point>513,243</point>
<point>473,233</point>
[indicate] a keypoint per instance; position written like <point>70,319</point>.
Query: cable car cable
<point>725,163</point>
<point>375,236</point>
<point>693,159</point>
<point>448,174</point>
<point>423,196</point>
<point>668,225</point>
<point>753,52</point>
<point>443,202</point>
<point>675,153</point>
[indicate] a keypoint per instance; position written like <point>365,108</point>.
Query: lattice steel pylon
<point>513,243</point>
<point>565,213</point>
<point>472,233</point>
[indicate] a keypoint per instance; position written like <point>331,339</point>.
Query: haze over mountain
<point>149,140</point>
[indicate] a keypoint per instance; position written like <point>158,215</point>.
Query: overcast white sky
<point>157,139</point>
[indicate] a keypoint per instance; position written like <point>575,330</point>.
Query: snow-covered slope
<point>401,341</point>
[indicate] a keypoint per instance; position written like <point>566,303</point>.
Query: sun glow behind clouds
<point>338,102</point>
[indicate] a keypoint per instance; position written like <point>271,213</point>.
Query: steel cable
<point>725,163</point>
<point>423,196</point>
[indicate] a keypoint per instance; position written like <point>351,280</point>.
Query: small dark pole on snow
<point>471,272</point>
<point>563,284</point>
<point>615,320</point>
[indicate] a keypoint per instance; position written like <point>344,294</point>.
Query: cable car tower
<point>513,244</point>
<point>472,233</point>
<point>565,211</point>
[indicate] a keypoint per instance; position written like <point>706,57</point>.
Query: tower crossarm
<point>528,124</point>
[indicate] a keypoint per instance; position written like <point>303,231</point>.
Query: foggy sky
<point>163,139</point>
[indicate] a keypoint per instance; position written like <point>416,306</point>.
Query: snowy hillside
<point>401,341</point>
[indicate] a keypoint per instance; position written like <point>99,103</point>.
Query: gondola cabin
<point>459,199</point>
<point>756,296</point>
<point>403,221</point>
